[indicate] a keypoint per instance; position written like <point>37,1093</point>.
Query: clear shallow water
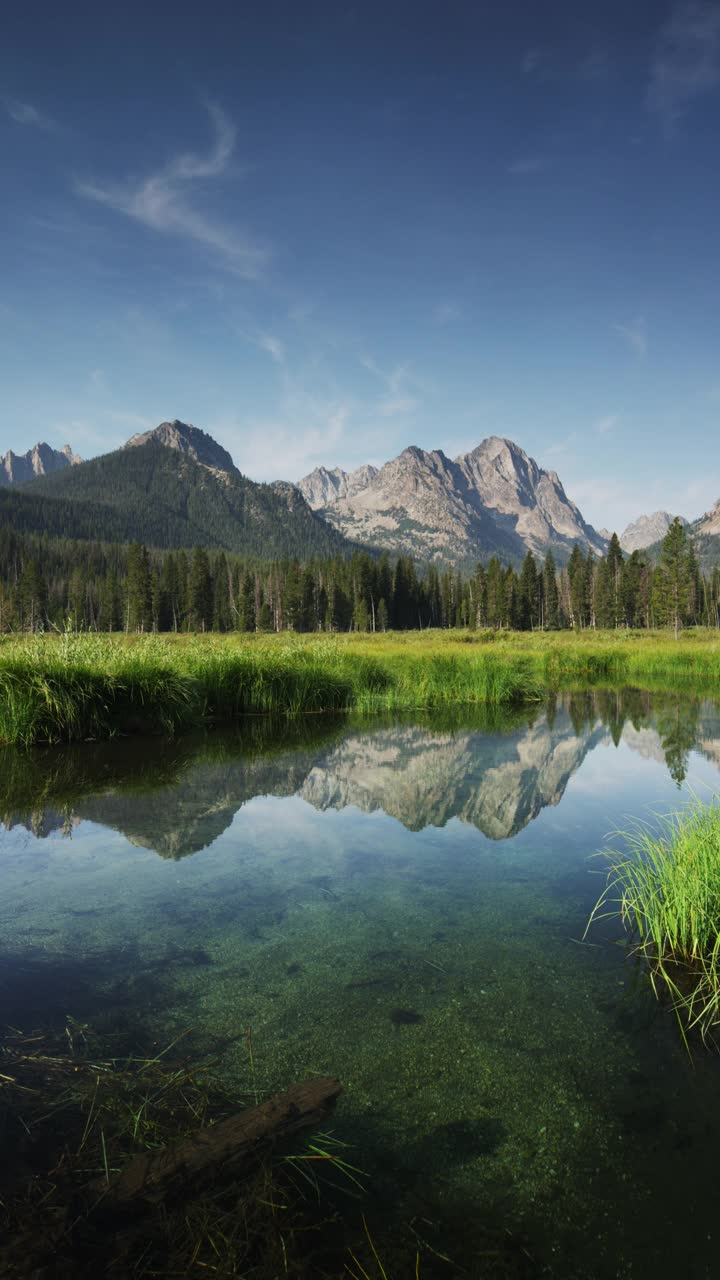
<point>401,904</point>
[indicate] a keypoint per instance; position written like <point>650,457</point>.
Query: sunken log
<point>148,1176</point>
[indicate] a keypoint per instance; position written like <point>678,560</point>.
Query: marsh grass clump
<point>665,886</point>
<point>78,687</point>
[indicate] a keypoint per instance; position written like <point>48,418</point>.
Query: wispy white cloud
<point>391,406</point>
<point>603,426</point>
<point>532,60</point>
<point>445,312</point>
<point>634,334</point>
<point>561,448</point>
<point>282,448</point>
<point>527,165</point>
<point>274,347</point>
<point>106,430</point>
<point>25,113</point>
<point>97,382</point>
<point>399,383</point>
<point>161,202</point>
<point>269,343</point>
<point>686,61</point>
<point>595,66</point>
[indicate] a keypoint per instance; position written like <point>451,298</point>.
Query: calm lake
<point>401,904</point>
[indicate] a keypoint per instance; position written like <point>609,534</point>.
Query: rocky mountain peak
<point>494,499</point>
<point>709,524</point>
<point>188,440</point>
<point>647,530</point>
<point>323,487</point>
<point>41,460</point>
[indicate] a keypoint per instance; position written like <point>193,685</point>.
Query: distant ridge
<point>647,530</point>
<point>41,460</point>
<point>173,486</point>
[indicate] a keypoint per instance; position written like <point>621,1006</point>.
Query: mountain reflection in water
<point>491,770</point>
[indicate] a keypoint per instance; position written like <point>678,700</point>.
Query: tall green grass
<point>665,887</point>
<point>91,686</point>
<point>74,686</point>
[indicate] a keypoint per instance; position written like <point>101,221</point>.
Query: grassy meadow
<point>87,685</point>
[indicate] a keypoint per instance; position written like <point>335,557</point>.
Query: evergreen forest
<point>55,583</point>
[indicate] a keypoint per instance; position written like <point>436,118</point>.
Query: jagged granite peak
<point>525,498</point>
<point>41,460</point>
<point>708,526</point>
<point>418,504</point>
<point>322,486</point>
<point>492,500</point>
<point>647,530</point>
<point>188,440</point>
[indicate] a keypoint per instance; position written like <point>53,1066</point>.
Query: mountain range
<point>41,460</point>
<point>170,487</point>
<point>494,499</point>
<point>175,486</point>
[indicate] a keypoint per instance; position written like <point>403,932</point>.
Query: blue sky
<point>325,231</point>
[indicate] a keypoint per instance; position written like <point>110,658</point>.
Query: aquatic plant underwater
<point>664,884</point>
<point>76,1123</point>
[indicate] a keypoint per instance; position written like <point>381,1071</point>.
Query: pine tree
<point>246,621</point>
<point>307,620</point>
<point>200,592</point>
<point>32,596</point>
<point>577,578</point>
<point>615,567</point>
<point>551,609</point>
<point>495,596</point>
<point>77,591</point>
<point>528,595</point>
<point>171,591</point>
<point>604,611</point>
<point>634,587</point>
<point>110,603</point>
<point>138,609</point>
<point>221,616</point>
<point>674,576</point>
<point>265,617</point>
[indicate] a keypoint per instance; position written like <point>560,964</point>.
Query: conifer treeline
<point>108,587</point>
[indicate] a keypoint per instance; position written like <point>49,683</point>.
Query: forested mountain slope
<point>166,496</point>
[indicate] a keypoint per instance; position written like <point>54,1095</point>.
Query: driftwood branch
<point>148,1176</point>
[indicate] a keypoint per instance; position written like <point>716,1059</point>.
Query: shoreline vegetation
<point>664,886</point>
<point>77,685</point>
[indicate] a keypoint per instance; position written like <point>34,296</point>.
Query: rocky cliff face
<point>322,487</point>
<point>708,526</point>
<point>494,499</point>
<point>524,498</point>
<point>646,530</point>
<point>188,440</point>
<point>41,460</point>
